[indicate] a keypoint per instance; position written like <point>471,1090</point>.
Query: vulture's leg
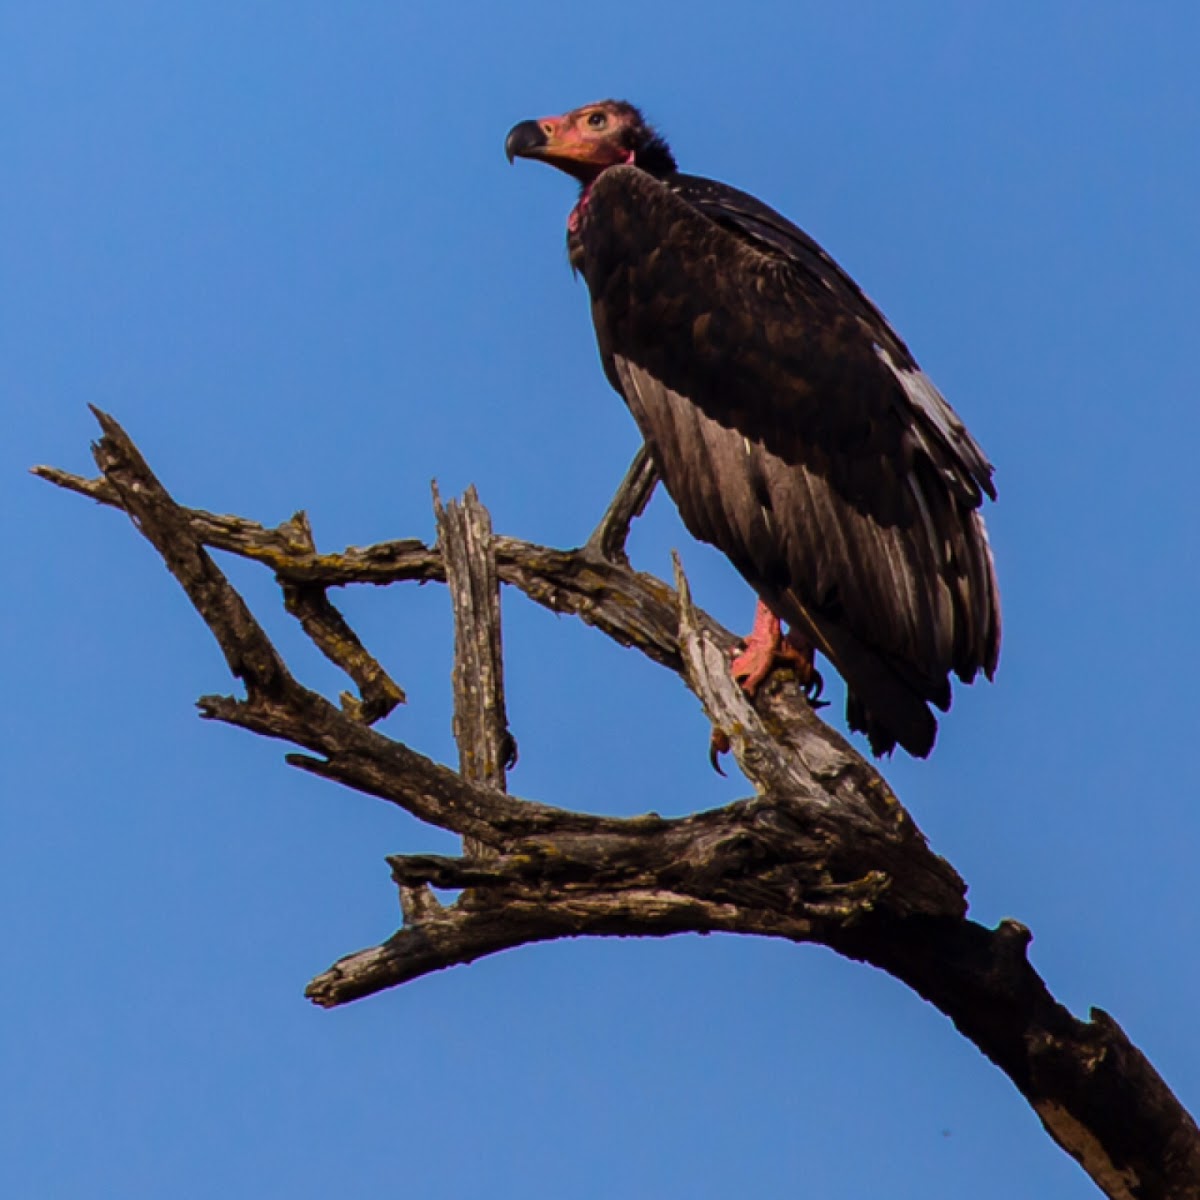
<point>767,647</point>
<point>763,647</point>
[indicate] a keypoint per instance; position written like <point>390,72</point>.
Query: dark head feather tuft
<point>653,154</point>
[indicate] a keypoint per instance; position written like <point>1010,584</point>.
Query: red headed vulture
<point>788,421</point>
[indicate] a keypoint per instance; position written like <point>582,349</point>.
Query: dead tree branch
<point>823,852</point>
<point>486,748</point>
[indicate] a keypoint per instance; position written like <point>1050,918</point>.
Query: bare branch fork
<point>823,852</point>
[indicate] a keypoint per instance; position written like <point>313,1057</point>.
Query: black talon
<point>718,744</point>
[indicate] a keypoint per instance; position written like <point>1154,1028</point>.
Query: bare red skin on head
<point>587,141</point>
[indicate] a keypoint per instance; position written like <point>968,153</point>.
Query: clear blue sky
<point>281,243</point>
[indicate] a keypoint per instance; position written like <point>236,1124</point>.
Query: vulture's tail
<point>883,700</point>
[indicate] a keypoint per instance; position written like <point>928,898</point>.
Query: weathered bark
<point>823,852</point>
<point>486,748</point>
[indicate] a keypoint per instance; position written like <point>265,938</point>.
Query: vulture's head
<point>589,140</point>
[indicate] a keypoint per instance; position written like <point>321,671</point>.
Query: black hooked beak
<point>524,140</point>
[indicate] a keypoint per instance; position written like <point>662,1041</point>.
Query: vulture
<point>788,422</point>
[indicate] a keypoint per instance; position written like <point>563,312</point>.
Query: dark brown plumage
<point>791,426</point>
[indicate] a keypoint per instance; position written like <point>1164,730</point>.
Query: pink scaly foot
<point>768,647</point>
<point>753,664</point>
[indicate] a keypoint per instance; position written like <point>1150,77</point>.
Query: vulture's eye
<point>597,120</point>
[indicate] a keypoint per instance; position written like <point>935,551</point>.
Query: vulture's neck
<point>654,157</point>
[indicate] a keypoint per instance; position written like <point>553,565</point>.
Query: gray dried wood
<point>486,748</point>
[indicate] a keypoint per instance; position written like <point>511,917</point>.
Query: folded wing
<point>795,432</point>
